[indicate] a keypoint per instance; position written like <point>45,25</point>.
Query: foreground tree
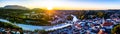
<point>116,30</point>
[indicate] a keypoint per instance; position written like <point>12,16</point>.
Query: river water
<point>46,28</point>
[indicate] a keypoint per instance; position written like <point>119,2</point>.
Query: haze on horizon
<point>64,4</point>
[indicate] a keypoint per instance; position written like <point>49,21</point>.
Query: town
<point>59,16</point>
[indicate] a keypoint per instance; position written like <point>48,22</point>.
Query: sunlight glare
<point>49,8</point>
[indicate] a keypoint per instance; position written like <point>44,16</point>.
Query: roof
<point>107,24</point>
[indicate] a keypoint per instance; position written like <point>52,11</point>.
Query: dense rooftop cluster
<point>90,26</point>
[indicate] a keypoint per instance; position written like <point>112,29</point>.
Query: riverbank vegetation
<point>8,26</point>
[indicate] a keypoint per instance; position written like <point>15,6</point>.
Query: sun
<point>49,8</point>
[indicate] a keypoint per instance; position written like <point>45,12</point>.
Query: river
<point>46,28</point>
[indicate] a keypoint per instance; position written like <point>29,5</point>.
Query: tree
<point>69,18</point>
<point>116,30</point>
<point>100,14</point>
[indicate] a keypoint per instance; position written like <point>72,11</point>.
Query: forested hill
<point>24,16</point>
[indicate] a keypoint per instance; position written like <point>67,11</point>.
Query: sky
<point>64,4</point>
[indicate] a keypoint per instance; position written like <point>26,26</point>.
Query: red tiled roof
<point>107,24</point>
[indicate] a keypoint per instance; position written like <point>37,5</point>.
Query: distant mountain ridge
<point>15,7</point>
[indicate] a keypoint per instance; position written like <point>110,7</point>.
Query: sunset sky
<point>64,4</point>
